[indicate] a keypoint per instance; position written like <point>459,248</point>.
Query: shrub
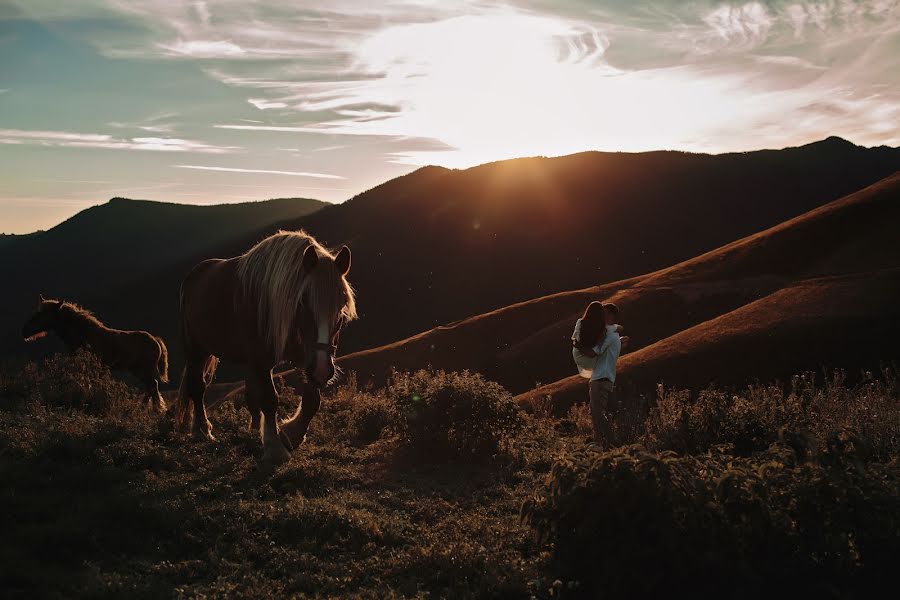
<point>370,417</point>
<point>452,415</point>
<point>76,380</point>
<point>762,414</point>
<point>632,523</point>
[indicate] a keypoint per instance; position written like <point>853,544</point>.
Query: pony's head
<point>44,319</point>
<point>302,297</point>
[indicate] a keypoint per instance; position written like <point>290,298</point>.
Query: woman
<point>590,330</point>
<point>596,348</point>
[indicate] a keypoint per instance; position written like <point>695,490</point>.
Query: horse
<point>143,354</point>
<point>285,299</point>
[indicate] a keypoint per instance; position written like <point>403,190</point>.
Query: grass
<point>105,500</point>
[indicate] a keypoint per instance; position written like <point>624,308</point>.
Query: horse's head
<point>43,320</point>
<point>327,303</point>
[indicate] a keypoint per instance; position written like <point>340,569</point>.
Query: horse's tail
<point>162,363</point>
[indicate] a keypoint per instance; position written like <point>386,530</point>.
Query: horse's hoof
<point>275,454</point>
<point>204,434</point>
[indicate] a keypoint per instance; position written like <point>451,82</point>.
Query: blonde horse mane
<point>270,276</point>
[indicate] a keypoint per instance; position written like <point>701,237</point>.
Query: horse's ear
<point>40,300</point>
<point>310,259</point>
<point>342,261</point>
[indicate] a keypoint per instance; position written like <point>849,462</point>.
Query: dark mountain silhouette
<point>440,245</point>
<point>820,289</point>
<point>106,246</point>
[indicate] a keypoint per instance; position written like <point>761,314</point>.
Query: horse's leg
<point>196,389</point>
<point>296,427</point>
<point>251,398</point>
<point>274,451</point>
<point>154,399</point>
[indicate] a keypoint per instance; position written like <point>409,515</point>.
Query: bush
<point>370,417</point>
<point>452,415</point>
<point>754,419</point>
<point>630,523</point>
<point>76,380</point>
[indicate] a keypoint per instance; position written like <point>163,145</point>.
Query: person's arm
<point>625,340</point>
<point>607,340</point>
<point>619,329</point>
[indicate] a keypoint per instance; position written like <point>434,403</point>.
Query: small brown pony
<point>284,299</point>
<point>139,352</point>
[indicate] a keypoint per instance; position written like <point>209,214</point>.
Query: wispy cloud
<point>203,49</point>
<point>742,27</point>
<point>263,104</point>
<point>266,171</point>
<point>282,128</point>
<point>102,140</point>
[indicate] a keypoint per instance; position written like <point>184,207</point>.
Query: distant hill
<point>107,246</point>
<point>820,289</point>
<point>440,245</point>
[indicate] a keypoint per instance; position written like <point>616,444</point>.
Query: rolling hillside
<point>105,246</point>
<point>822,288</point>
<point>437,245</point>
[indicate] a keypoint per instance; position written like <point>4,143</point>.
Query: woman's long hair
<point>593,325</point>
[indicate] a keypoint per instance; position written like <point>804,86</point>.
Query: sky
<point>207,102</point>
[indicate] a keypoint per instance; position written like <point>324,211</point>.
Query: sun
<point>507,85</point>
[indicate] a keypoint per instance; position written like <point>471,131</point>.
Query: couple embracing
<point>596,345</point>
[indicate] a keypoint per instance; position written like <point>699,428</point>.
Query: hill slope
<point>797,286</point>
<point>437,245</point>
<point>123,240</point>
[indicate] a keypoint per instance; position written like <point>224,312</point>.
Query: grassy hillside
<point>767,492</point>
<point>437,245</point>
<point>837,263</point>
<point>106,246</point>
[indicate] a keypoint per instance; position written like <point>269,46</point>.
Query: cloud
<point>476,80</point>
<point>263,104</point>
<point>286,129</point>
<point>266,171</point>
<point>203,49</point>
<point>744,27</point>
<point>102,140</point>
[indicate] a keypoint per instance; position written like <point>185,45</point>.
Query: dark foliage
<point>452,415</point>
<point>805,414</point>
<point>637,524</point>
<point>78,380</point>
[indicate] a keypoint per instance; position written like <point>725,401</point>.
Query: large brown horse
<point>284,299</point>
<point>139,352</point>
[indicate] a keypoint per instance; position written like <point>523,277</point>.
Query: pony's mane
<point>269,275</point>
<point>72,312</point>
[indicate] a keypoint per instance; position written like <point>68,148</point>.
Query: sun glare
<point>503,86</point>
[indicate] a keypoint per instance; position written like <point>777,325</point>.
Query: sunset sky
<point>234,100</point>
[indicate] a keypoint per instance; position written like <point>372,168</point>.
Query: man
<point>603,377</point>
